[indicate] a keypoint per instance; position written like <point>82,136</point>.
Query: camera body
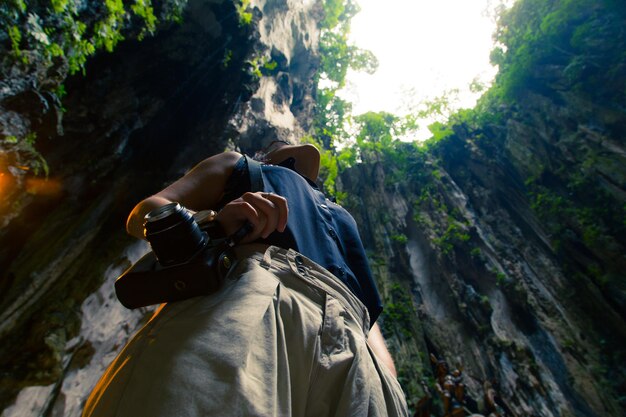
<point>184,261</point>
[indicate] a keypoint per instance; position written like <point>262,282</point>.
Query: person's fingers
<point>266,212</point>
<point>236,213</point>
<point>283,210</point>
<point>264,205</point>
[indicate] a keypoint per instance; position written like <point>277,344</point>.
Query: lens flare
<point>4,184</point>
<point>49,187</point>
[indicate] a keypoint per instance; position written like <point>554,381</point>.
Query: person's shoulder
<point>226,158</point>
<point>224,161</point>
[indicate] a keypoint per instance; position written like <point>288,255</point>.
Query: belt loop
<point>267,257</point>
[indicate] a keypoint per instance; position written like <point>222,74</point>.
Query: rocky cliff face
<point>501,248</point>
<point>487,290</point>
<point>140,118</point>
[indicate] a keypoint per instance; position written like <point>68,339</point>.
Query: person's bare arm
<point>377,342</point>
<point>203,187</point>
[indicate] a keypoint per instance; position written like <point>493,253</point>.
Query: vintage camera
<point>184,261</point>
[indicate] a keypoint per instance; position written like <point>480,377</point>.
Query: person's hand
<point>266,212</point>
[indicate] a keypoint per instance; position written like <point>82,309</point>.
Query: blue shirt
<point>317,228</point>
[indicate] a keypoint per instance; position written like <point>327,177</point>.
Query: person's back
<point>317,227</point>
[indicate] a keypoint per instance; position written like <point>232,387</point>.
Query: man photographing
<point>291,332</point>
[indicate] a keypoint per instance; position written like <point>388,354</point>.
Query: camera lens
<point>174,235</point>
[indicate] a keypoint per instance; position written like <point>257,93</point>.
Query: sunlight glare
<point>425,48</point>
<point>4,183</point>
<point>49,187</point>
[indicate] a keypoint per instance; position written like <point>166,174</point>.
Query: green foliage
<point>228,56</point>
<point>337,56</point>
<point>254,66</point>
<point>29,158</point>
<point>38,34</point>
<point>377,138</point>
<point>79,49</point>
<point>260,66</point>
<point>59,6</point>
<point>65,28</point>
<point>245,17</point>
<point>500,278</point>
<point>331,114</point>
<point>547,204</point>
<point>560,214</point>
<point>330,163</point>
<point>534,34</point>
<point>438,106</point>
<point>329,167</point>
<point>439,131</point>
<point>582,214</point>
<point>575,46</point>
<point>476,86</point>
<point>398,313</point>
<point>447,224</point>
<point>484,300</point>
<point>270,65</point>
<point>109,30</point>
<point>400,238</point>
<point>172,10</point>
<point>337,12</point>
<point>452,236</point>
<point>16,38</point>
<point>377,132</point>
<point>143,9</point>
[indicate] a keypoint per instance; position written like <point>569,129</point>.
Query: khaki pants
<point>283,337</point>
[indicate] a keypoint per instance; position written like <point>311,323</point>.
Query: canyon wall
<point>138,119</point>
<point>499,248</point>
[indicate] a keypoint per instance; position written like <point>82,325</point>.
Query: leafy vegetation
<point>538,34</point>
<point>575,46</point>
<point>454,234</point>
<point>32,160</point>
<point>566,54</point>
<point>37,37</point>
<point>245,16</point>
<point>585,213</point>
<point>400,238</point>
<point>73,30</point>
<point>337,56</point>
<point>532,35</point>
<point>376,139</point>
<point>399,313</point>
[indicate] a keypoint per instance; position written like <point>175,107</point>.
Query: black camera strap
<point>256,176</point>
<point>256,184</point>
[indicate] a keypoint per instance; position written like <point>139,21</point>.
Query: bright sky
<point>425,47</point>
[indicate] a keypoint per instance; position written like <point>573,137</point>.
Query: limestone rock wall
<point>501,250</point>
<point>139,119</point>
